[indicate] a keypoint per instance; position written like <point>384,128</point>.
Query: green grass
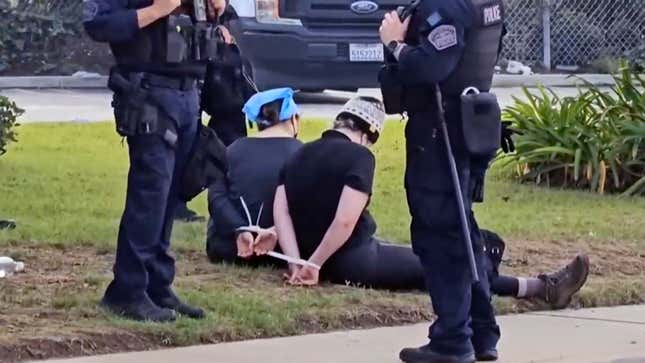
<point>65,186</point>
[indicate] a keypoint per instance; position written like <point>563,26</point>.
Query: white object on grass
<point>9,267</point>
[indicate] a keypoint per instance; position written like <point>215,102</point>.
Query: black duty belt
<point>177,83</point>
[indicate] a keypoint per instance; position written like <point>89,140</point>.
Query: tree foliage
<point>9,113</point>
<point>45,37</point>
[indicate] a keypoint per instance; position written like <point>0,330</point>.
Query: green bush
<point>47,37</point>
<point>9,112</point>
<point>595,141</point>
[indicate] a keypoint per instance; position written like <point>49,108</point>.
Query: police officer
<point>453,45</point>
<point>156,108</point>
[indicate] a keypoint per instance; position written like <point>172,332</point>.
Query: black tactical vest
<point>148,46</point>
<point>167,47</point>
<point>477,64</point>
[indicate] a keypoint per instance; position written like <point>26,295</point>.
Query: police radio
<point>405,12</point>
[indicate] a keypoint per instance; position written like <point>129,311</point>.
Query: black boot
<point>426,355</point>
<point>489,355</point>
<point>563,284</point>
<point>7,224</point>
<point>144,310</point>
<point>184,214</point>
<point>174,303</point>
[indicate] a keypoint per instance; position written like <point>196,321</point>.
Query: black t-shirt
<point>254,169</point>
<point>314,179</point>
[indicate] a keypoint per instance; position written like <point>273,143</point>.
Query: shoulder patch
<point>443,37</point>
<point>90,9</point>
<point>434,19</point>
<point>492,14</point>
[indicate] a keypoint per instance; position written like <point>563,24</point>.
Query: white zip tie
<point>295,261</point>
<point>257,222</point>
<point>246,210</point>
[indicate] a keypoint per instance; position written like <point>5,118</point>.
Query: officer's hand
<point>165,7</point>
<point>215,9</point>
<point>228,38</point>
<point>508,146</point>
<point>244,243</point>
<point>266,241</point>
<point>306,276</point>
<point>392,29</point>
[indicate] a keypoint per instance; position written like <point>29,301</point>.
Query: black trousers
<point>375,263</point>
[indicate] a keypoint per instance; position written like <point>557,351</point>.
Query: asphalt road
<point>92,105</point>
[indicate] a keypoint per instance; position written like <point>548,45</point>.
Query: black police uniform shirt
<point>314,179</point>
<point>436,47</point>
<point>254,169</point>
<point>134,49</point>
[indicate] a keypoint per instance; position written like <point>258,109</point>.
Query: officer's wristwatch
<point>395,47</point>
<point>391,46</point>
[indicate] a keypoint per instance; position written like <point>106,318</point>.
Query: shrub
<point>46,37</point>
<point>594,141</point>
<point>9,112</point>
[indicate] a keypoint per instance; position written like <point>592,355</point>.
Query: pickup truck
<point>312,45</point>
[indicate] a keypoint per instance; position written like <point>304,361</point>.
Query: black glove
<point>507,137</point>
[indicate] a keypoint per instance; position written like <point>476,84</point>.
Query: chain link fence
<point>579,33</point>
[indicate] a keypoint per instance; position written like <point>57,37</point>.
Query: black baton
<point>465,227</point>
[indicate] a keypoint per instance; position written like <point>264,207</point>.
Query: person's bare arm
<point>156,11</point>
<point>284,224</point>
<point>351,205</point>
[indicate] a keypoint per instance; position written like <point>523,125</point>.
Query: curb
<point>53,82</point>
<point>551,80</point>
<point>499,81</point>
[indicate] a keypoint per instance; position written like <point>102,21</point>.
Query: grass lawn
<point>65,184</point>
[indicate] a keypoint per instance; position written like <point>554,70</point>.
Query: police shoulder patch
<point>443,37</point>
<point>90,9</point>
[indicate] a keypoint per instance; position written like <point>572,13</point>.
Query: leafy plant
<point>9,112</point>
<point>46,36</point>
<point>594,141</point>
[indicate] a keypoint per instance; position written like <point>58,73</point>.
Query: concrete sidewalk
<point>609,335</point>
<point>91,105</point>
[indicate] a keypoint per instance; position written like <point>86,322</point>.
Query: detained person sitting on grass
<point>245,196</point>
<point>320,213</point>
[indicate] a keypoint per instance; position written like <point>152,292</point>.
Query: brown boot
<point>563,284</point>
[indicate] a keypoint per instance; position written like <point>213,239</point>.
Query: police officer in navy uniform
<point>453,44</point>
<point>157,109</point>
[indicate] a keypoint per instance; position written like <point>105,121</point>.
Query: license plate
<point>366,53</point>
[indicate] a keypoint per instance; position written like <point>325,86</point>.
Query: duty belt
<point>177,83</point>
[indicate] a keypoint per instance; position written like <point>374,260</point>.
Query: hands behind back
<point>265,241</point>
<point>244,243</point>
<point>248,245</point>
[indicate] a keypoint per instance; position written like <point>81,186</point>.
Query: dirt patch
<point>51,310</point>
<point>85,344</point>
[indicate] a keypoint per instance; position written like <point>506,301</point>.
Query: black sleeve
<point>360,175</point>
<point>226,215</point>
<point>283,175</point>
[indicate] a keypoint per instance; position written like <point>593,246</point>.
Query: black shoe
<point>183,214</point>
<point>7,224</point>
<point>425,355</point>
<point>174,303</point>
<point>563,284</point>
<point>489,355</point>
<point>144,310</point>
